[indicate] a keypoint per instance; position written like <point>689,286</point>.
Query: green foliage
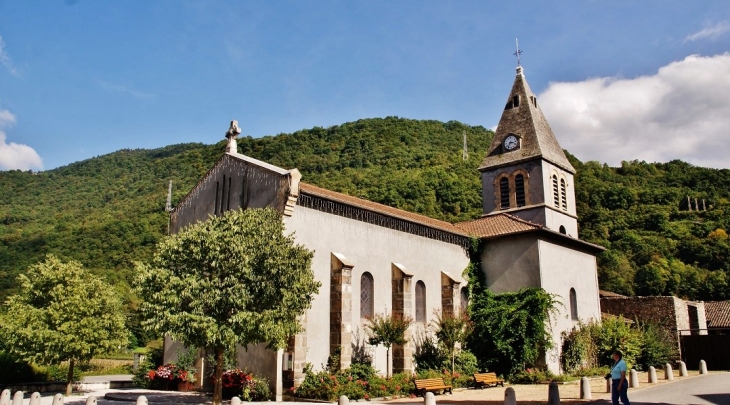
<point>62,313</point>
<point>451,332</point>
<point>387,330</point>
<point>657,347</point>
<point>510,329</point>
<point>428,355</point>
<point>258,390</point>
<point>235,279</point>
<point>590,346</point>
<point>15,370</point>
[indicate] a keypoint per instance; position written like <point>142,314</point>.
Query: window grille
<point>520,190</point>
<point>563,195</point>
<point>420,302</point>
<point>367,307</point>
<point>556,196</point>
<point>504,193</point>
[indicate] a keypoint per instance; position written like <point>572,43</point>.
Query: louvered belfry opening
<point>520,190</point>
<point>504,193</point>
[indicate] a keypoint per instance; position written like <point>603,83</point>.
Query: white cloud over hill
<point>14,155</point>
<point>681,112</point>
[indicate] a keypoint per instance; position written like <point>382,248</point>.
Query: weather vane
<point>518,52</point>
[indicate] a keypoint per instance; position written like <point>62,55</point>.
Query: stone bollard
<point>5,397</point>
<point>35,399</point>
<point>91,400</point>
<point>509,396</point>
<point>683,369</point>
<point>58,399</point>
<point>553,394</point>
<point>608,386</point>
<point>343,400</point>
<point>237,401</point>
<point>634,381</point>
<point>141,400</point>
<point>703,367</point>
<point>585,388</point>
<point>429,399</point>
<point>17,398</point>
<point>652,375</point>
<point>668,373</point>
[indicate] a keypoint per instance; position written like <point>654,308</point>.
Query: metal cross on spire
<point>518,52</point>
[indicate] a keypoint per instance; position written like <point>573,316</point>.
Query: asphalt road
<point>711,389</point>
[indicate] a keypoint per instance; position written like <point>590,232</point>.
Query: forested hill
<point>108,211</point>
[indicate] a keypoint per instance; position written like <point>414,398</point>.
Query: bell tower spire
<point>526,172</point>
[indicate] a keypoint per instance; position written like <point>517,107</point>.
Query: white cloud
<point>14,155</point>
<point>681,112</point>
<point>6,61</point>
<point>710,32</point>
<point>123,89</point>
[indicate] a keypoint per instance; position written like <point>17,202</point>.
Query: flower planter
<point>185,386</point>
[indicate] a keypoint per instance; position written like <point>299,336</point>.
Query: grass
<point>105,367</point>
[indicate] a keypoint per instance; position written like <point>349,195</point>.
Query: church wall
<point>373,249</point>
<point>563,268</point>
<point>260,361</point>
<point>511,263</point>
<point>250,187</point>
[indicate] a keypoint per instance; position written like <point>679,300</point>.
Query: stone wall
<point>668,312</point>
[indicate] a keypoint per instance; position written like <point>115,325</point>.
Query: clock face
<point>510,142</point>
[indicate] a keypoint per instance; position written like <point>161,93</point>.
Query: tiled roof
<point>528,122</point>
<point>717,314</point>
<point>497,225</point>
<point>305,188</point>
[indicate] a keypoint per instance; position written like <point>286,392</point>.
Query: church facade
<point>371,258</point>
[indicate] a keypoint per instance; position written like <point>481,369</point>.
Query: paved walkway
<point>713,389</point>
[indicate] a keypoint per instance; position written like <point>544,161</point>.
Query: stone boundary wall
<point>668,312</point>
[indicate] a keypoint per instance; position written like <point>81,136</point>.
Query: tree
<point>388,330</point>
<point>452,330</point>
<point>234,279</point>
<point>62,313</point>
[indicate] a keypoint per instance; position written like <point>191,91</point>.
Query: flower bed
<point>245,385</point>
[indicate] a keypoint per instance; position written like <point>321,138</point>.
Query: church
<point>372,258</point>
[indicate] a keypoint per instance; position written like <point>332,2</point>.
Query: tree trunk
<point>388,370</point>
<point>218,379</point>
<point>70,377</point>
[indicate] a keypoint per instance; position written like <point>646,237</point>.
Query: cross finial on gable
<point>232,134</point>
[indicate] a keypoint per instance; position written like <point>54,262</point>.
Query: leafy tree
<point>62,313</point>
<point>452,331</point>
<point>388,330</point>
<point>234,279</point>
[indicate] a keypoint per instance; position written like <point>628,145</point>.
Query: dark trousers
<point>616,393</point>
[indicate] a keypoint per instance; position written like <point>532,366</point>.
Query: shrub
<point>531,376</point>
<point>13,370</point>
<point>658,347</point>
<point>256,390</point>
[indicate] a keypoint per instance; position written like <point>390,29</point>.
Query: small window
<point>563,195</point>
<point>573,305</point>
<point>562,230</point>
<point>367,289</point>
<point>420,302</point>
<point>556,195</point>
<point>504,193</point>
<point>520,190</point>
<point>516,100</point>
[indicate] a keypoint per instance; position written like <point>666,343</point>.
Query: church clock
<point>511,143</point>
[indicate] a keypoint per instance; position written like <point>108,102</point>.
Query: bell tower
<point>526,172</point>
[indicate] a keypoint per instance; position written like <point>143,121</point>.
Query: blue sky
<point>618,80</point>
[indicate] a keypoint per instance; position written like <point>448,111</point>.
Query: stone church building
<point>372,258</point>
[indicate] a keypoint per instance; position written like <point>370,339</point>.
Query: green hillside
<point>108,211</point>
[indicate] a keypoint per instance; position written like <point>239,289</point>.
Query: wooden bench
<point>431,384</point>
<point>487,379</point>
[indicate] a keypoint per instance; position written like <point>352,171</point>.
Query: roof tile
<point>497,225</point>
<point>717,314</point>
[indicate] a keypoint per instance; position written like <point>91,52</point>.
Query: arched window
<point>504,193</point>
<point>562,230</point>
<point>367,307</point>
<point>563,196</point>
<point>420,302</point>
<point>573,305</point>
<point>464,299</point>
<point>556,196</point>
<point>520,190</point>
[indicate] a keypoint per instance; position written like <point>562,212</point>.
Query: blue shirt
<point>617,369</point>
